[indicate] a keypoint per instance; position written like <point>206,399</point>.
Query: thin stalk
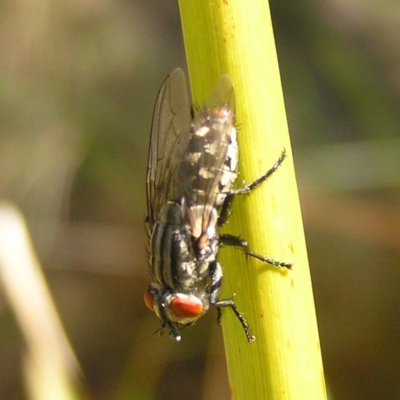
<point>49,364</point>
<point>235,37</point>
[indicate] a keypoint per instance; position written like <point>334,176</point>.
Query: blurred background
<point>78,83</point>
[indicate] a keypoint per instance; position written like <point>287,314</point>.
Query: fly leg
<point>262,178</point>
<point>226,206</point>
<point>225,209</point>
<point>216,281</point>
<point>172,331</point>
<point>231,240</point>
<point>235,241</point>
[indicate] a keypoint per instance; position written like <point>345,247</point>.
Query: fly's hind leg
<point>231,240</point>
<point>262,178</point>
<point>226,206</point>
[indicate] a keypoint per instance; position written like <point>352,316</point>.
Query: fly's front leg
<point>172,331</point>
<point>216,281</point>
<point>231,240</point>
<point>216,275</point>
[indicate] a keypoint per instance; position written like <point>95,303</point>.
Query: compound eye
<point>186,307</point>
<point>148,300</point>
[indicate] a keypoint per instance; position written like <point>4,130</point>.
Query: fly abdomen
<point>208,166</point>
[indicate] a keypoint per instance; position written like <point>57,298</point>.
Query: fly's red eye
<point>148,300</point>
<point>186,307</point>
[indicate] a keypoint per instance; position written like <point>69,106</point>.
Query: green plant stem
<point>235,37</point>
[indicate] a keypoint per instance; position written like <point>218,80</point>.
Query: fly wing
<point>208,166</point>
<point>171,119</point>
<point>221,94</point>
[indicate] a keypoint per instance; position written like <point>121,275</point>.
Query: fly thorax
<point>202,221</point>
<point>171,213</point>
<point>173,262</point>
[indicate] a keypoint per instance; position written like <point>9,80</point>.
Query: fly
<point>192,167</point>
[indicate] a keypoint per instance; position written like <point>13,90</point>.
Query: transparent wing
<point>171,119</point>
<point>208,157</point>
<point>222,94</point>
